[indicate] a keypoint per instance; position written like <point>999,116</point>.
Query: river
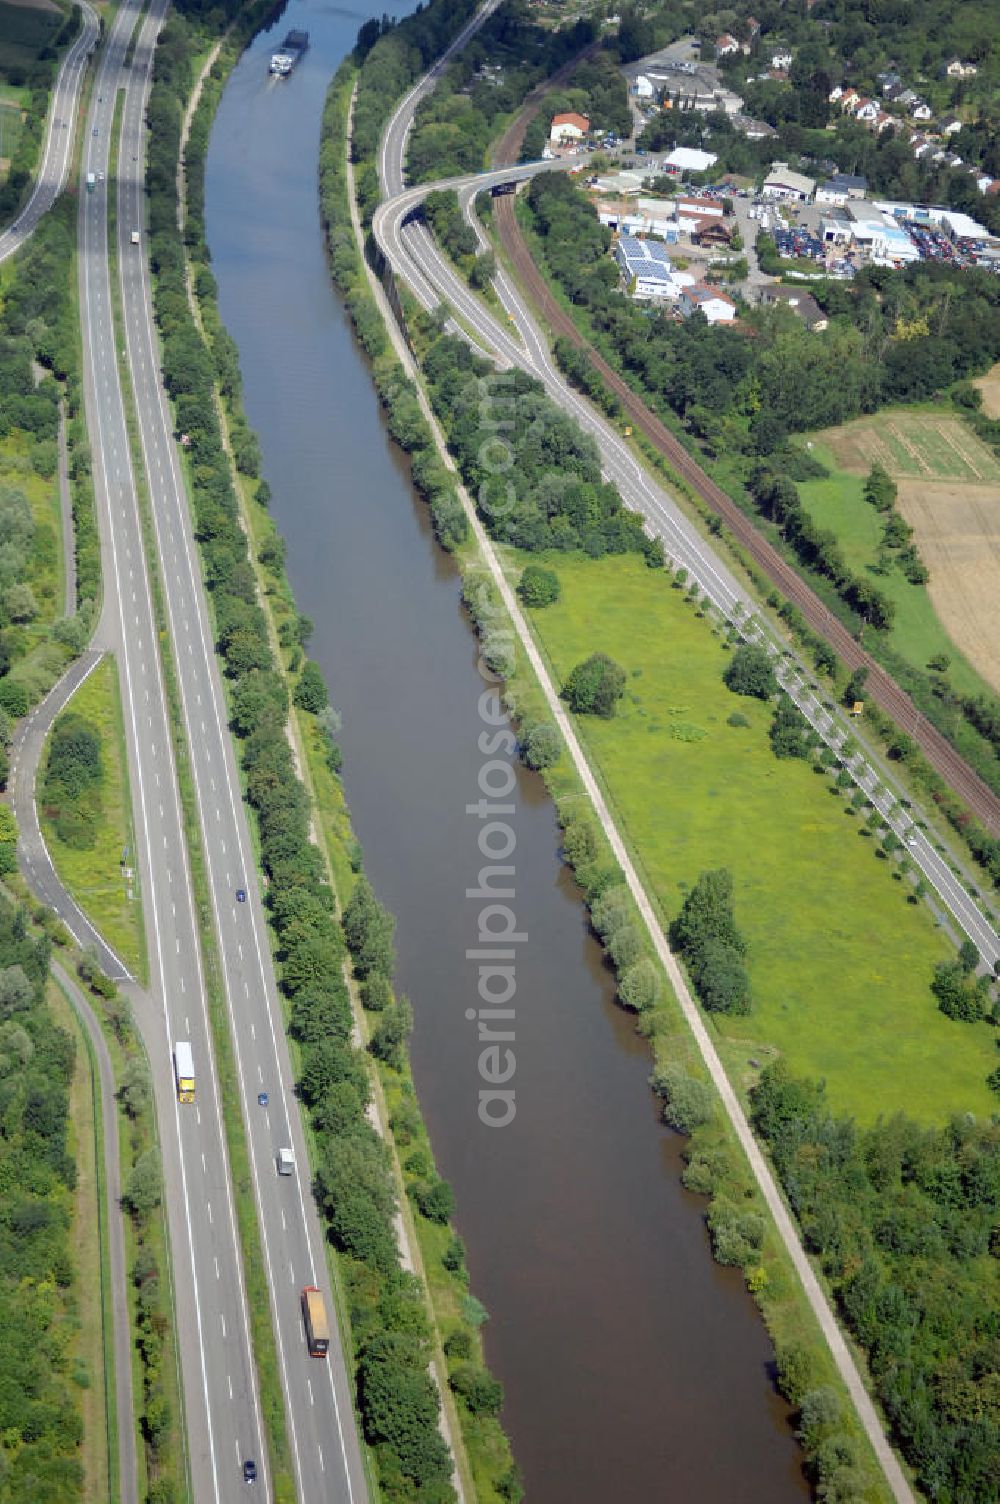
<point>634,1367</point>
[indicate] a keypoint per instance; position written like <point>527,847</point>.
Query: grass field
<point>94,876</point>
<point>927,622</point>
<point>840,962</point>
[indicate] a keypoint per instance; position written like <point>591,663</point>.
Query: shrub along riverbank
<point>390,1336</point>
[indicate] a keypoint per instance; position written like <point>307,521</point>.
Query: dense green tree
<point>538,586</point>
<point>750,672</point>
<point>595,686</point>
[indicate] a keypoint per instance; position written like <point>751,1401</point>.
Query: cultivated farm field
<point>913,446</point>
<point>840,961</point>
<point>949,493</point>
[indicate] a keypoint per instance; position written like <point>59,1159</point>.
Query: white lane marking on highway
<point>321,1462</point>
<point>183,984</point>
<point>170,876</point>
<point>204,1165</point>
<point>239,949</point>
<point>246,988</point>
<point>253,1031</point>
<point>229,1381</point>
<point>284,1224</point>
<point>197,1113</point>
<point>208,1208</point>
<point>218,1272</point>
<point>260,1072</point>
<point>309,1386</point>
<point>222,1323</point>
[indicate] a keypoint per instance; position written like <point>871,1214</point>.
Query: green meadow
<point>94,873</point>
<point>840,958</point>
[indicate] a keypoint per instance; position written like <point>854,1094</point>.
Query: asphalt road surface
<point>222,1406</point>
<point>57,151</point>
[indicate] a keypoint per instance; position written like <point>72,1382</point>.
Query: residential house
<point>781,58</point>
<point>921,111</point>
<point>568,128</point>
<point>801,302</point>
<point>883,122</point>
<point>836,94</point>
<point>867,111</point>
<point>908,98</point>
<point>849,101</point>
<point>950,126</point>
<point>782,183</point>
<point>957,69</point>
<point>841,187</point>
<point>986,184</point>
<point>754,130</point>
<point>889,81</point>
<point>643,87</point>
<point>700,298</point>
<point>726,45</point>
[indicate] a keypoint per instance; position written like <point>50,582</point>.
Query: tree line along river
<point>634,1367</point>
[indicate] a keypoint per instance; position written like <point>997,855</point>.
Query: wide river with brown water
<point>635,1369</point>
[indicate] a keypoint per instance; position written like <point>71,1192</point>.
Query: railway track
<point>881,686</point>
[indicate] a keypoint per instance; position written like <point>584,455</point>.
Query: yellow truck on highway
<point>317,1326</point>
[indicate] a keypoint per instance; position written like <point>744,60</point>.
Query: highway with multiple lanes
<point>222,1403</point>
<point>60,134</point>
<point>326,1453</point>
<point>414,255</point>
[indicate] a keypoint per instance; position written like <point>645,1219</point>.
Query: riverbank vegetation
<point>40,1414</point>
<point>85,813</point>
<point>389,1336</point>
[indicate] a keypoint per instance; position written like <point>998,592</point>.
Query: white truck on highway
<point>184,1070</point>
<point>135,237</point>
